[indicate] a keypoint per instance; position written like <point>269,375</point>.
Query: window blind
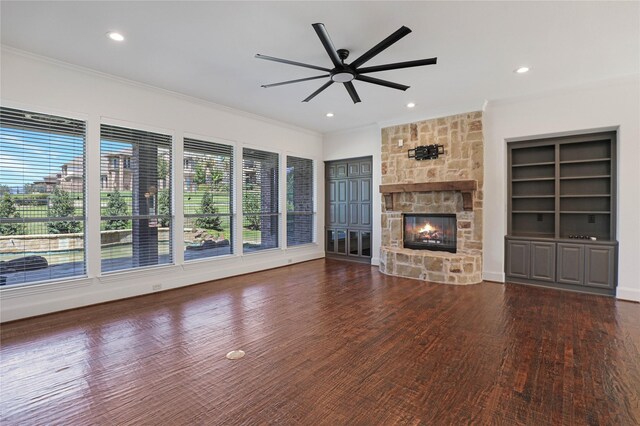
<point>260,210</point>
<point>136,208</point>
<point>208,199</point>
<point>300,214</point>
<point>42,210</point>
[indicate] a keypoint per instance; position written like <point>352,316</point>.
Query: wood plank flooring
<point>330,343</point>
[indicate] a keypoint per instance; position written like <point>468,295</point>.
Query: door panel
<point>365,214</point>
<point>353,190</point>
<point>331,239</point>
<point>354,169</point>
<point>354,243</point>
<point>341,241</point>
<point>341,170</point>
<point>342,214</point>
<point>365,243</point>
<point>353,215</point>
<point>365,168</point>
<point>365,190</point>
<point>341,191</point>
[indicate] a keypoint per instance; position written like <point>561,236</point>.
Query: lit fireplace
<point>430,232</point>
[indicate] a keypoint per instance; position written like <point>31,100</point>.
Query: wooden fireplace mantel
<point>466,187</point>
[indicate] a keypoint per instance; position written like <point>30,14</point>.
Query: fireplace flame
<point>426,228</point>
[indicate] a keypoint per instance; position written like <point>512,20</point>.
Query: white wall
<point>361,142</point>
<point>608,105</point>
<point>47,86</point>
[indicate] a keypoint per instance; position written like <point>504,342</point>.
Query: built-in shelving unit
<point>562,189</point>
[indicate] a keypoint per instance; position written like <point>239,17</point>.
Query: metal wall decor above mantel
<point>466,187</point>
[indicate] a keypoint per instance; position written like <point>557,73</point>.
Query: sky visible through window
<point>30,156</point>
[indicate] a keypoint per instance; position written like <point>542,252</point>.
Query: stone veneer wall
<point>461,136</point>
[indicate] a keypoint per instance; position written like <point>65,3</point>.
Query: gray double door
<point>348,189</point>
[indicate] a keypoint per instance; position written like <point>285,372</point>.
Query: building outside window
<point>136,204</point>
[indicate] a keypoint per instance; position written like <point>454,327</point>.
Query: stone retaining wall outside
<point>45,243</point>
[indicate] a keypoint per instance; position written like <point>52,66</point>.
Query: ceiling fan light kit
<point>345,73</point>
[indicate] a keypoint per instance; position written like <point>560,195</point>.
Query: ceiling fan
<point>345,73</point>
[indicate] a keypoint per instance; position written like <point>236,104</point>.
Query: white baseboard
<point>626,293</point>
<point>493,276</point>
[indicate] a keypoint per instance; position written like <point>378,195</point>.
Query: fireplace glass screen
<point>430,232</point>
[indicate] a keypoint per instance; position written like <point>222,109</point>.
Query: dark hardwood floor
<point>328,342</point>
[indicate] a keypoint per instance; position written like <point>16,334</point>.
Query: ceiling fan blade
<point>352,92</point>
<point>314,94</point>
<point>294,81</point>
<point>286,61</point>
<point>328,44</point>
<point>397,35</point>
<point>381,82</point>
<point>398,65</point>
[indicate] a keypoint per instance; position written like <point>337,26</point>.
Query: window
<point>127,162</point>
<point>261,214</point>
<point>114,163</point>
<point>300,214</point>
<point>42,213</point>
<point>136,206</point>
<point>208,199</point>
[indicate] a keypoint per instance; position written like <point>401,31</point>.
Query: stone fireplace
<point>447,187</point>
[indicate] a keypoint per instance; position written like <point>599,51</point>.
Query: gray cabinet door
<point>570,268</point>
<point>348,214</point>
<point>543,261</point>
<point>518,259</point>
<point>599,266</point>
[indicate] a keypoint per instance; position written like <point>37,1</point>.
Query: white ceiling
<point>206,50</point>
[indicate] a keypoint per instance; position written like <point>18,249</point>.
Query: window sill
<point>303,246</point>
<point>118,276</point>
<point>227,257</point>
<point>259,252</point>
<point>41,287</point>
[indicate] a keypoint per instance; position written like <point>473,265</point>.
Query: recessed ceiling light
<point>522,70</point>
<point>329,114</point>
<point>115,36</point>
<point>410,105</point>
